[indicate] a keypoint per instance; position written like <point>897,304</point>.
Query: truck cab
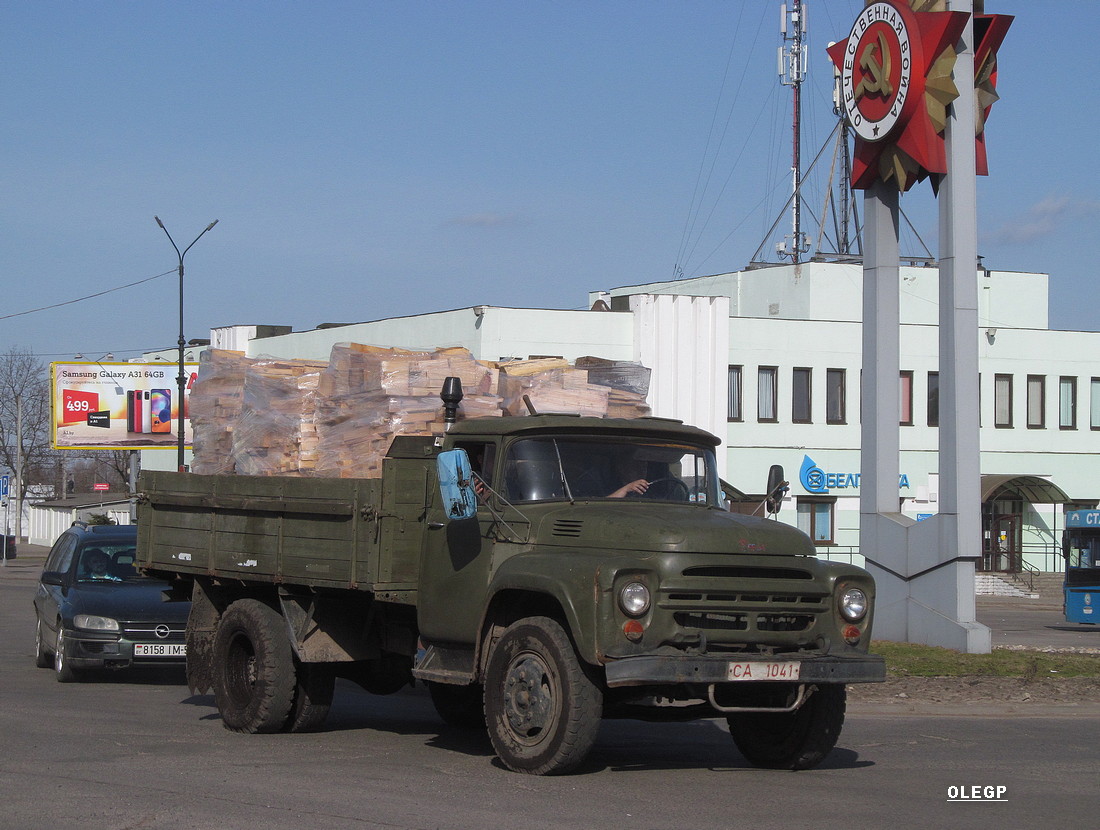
<point>616,532</point>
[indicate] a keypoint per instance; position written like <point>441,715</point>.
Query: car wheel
<point>254,677</point>
<point>542,709</point>
<point>42,657</point>
<point>61,665</point>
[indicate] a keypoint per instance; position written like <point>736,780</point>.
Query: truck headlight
<point>93,623</point>
<point>853,604</point>
<point>634,599</point>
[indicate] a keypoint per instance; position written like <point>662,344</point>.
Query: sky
<point>367,160</point>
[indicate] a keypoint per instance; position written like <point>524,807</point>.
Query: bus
<point>1081,549</point>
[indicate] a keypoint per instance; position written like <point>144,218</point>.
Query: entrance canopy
<point>1031,489</point>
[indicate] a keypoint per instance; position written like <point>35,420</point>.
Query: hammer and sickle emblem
<point>877,78</point>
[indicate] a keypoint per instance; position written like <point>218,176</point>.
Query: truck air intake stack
<point>451,397</point>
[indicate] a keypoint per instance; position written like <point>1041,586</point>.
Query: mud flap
<point>202,624</point>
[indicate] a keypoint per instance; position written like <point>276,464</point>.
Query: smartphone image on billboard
<point>160,410</point>
<point>133,411</point>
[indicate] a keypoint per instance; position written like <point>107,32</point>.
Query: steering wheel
<point>674,489</point>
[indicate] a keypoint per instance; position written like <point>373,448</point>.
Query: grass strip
<point>911,660</point>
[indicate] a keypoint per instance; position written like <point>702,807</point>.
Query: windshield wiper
<point>561,472</point>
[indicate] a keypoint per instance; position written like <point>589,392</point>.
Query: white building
<point>770,359</point>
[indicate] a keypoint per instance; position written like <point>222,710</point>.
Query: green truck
<point>536,573</point>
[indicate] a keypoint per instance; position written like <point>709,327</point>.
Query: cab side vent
<point>568,527</point>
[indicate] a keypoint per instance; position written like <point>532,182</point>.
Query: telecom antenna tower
<point>792,71</point>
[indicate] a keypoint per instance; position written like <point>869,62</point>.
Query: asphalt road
<point>131,751</point>
<point>1034,624</point>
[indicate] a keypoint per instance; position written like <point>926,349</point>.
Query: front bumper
<point>89,651</point>
<point>659,670</point>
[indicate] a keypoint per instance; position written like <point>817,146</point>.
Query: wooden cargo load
<point>368,395</point>
<point>215,404</point>
<point>338,418</point>
<point>275,433</point>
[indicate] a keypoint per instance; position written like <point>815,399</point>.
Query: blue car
<point>93,610</point>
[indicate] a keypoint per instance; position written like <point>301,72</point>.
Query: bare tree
<point>110,466</point>
<point>25,403</point>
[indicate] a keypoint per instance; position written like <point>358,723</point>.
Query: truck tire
<point>254,678</point>
<point>459,706</point>
<point>541,708</point>
<point>312,698</point>
<point>42,657</point>
<point>792,740</point>
<point>63,669</point>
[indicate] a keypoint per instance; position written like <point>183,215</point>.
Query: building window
<point>800,396</point>
<point>1037,401</point>
<point>933,399</point>
<point>767,398</point>
<point>733,408</point>
<point>815,519</point>
<point>1094,404</point>
<point>1002,401</point>
<point>835,394</point>
<point>1067,403</point>
<point>906,389</point>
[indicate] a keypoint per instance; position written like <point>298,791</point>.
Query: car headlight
<point>634,599</point>
<point>91,622</point>
<point>853,604</point>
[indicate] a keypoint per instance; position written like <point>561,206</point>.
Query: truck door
<point>455,564</point>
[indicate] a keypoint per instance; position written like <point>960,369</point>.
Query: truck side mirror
<point>777,488</point>
<point>456,485</point>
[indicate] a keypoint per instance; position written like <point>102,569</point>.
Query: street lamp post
<point>182,378</point>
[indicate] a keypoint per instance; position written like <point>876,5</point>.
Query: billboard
<point>118,406</point>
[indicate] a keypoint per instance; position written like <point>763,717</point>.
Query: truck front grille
<point>733,605</point>
<point>714,622</point>
<point>784,622</point>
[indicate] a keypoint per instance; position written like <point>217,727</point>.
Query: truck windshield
<point>539,469</point>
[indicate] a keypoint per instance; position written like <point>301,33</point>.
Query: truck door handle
<point>435,525</point>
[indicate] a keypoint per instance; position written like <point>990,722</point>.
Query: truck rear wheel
<point>460,706</point>
<point>792,740</point>
<point>542,710</point>
<point>312,698</point>
<point>254,677</point>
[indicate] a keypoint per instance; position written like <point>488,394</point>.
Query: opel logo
<point>161,631</point>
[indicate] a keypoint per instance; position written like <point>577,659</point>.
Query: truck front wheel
<point>792,740</point>
<point>254,677</point>
<point>542,709</point>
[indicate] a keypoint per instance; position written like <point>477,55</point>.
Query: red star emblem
<point>896,77</point>
<point>989,34</point>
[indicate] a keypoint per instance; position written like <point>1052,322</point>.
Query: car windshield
<point>538,469</point>
<point>104,561</point>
